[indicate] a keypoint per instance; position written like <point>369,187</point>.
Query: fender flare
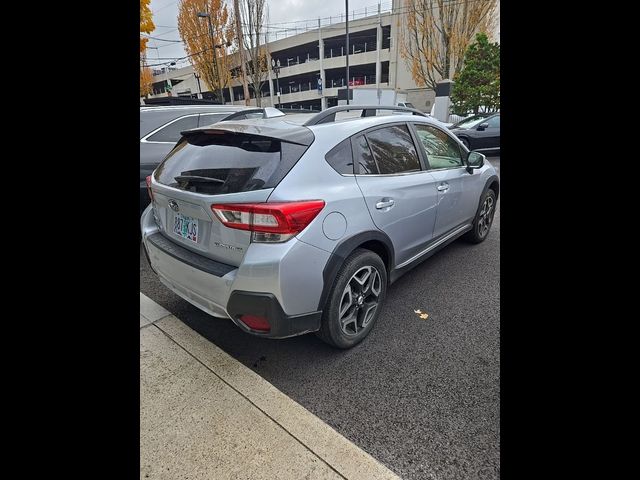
<point>343,250</point>
<point>489,181</point>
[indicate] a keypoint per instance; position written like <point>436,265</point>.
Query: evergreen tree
<point>478,83</point>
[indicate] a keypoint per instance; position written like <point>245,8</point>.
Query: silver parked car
<point>299,224</point>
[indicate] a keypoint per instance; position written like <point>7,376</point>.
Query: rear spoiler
<point>283,131</point>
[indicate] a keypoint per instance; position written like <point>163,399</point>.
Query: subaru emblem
<point>174,205</point>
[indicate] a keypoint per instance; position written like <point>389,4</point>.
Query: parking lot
<point>421,395</point>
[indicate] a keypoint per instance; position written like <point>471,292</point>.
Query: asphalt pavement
<point>422,396</point>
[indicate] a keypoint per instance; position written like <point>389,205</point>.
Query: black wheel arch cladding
<point>345,248</point>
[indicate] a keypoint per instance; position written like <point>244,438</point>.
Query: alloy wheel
<point>486,216</point>
<point>359,300</point>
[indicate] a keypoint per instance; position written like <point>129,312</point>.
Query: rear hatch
<point>235,163</point>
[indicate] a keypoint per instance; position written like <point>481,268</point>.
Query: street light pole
<point>168,79</point>
<point>276,69</point>
<point>215,55</point>
<point>195,74</point>
<point>347,27</point>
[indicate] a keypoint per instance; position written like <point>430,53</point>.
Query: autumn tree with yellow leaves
<point>435,35</point>
<point>146,81</point>
<point>146,26</point>
<point>146,23</point>
<point>212,64</point>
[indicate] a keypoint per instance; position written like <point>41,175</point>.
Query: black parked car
<point>480,132</point>
<point>160,129</point>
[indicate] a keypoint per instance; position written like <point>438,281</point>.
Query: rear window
<point>224,162</point>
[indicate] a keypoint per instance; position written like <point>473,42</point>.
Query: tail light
<point>256,322</point>
<point>149,188</point>
<point>269,222</point>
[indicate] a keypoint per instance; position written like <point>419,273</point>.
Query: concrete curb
<point>150,311</point>
<point>341,455</point>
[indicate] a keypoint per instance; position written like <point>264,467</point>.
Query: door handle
<point>385,204</point>
<point>443,187</point>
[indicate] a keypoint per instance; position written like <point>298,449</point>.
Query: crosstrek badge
<point>228,247</point>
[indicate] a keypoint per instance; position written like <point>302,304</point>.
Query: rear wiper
<point>197,178</point>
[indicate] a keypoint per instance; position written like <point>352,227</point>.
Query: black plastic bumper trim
<point>267,305</point>
<point>187,256</point>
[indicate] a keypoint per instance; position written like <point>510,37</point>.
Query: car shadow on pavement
<point>251,350</point>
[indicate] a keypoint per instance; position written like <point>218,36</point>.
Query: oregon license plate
<point>186,227</point>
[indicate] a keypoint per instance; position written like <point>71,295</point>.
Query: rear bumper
<point>203,289</point>
<point>282,282</point>
<point>266,305</point>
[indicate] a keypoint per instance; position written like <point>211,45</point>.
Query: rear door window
<point>393,150</point>
<point>365,163</point>
<point>171,132</point>
<point>224,162</point>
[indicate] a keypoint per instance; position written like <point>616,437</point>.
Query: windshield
<point>409,104</point>
<point>471,122</point>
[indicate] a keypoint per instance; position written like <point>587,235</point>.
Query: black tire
<point>466,143</point>
<point>332,330</point>
<point>481,228</point>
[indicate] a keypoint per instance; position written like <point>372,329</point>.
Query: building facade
<point>313,66</point>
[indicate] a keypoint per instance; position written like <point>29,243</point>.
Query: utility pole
<point>346,9</point>
<point>236,8</point>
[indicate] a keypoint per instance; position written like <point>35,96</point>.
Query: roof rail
<point>329,115</point>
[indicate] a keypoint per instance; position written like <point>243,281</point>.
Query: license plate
<point>186,227</point>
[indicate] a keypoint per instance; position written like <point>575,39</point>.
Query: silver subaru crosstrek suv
<point>299,224</point>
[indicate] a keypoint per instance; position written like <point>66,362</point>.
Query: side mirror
<point>483,126</point>
<point>475,160</point>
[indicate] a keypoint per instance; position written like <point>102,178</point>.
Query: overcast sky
<point>165,17</point>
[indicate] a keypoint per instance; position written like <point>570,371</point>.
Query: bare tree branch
<point>436,34</point>
<point>253,18</point>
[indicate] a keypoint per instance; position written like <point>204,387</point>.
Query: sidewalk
<point>204,415</point>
